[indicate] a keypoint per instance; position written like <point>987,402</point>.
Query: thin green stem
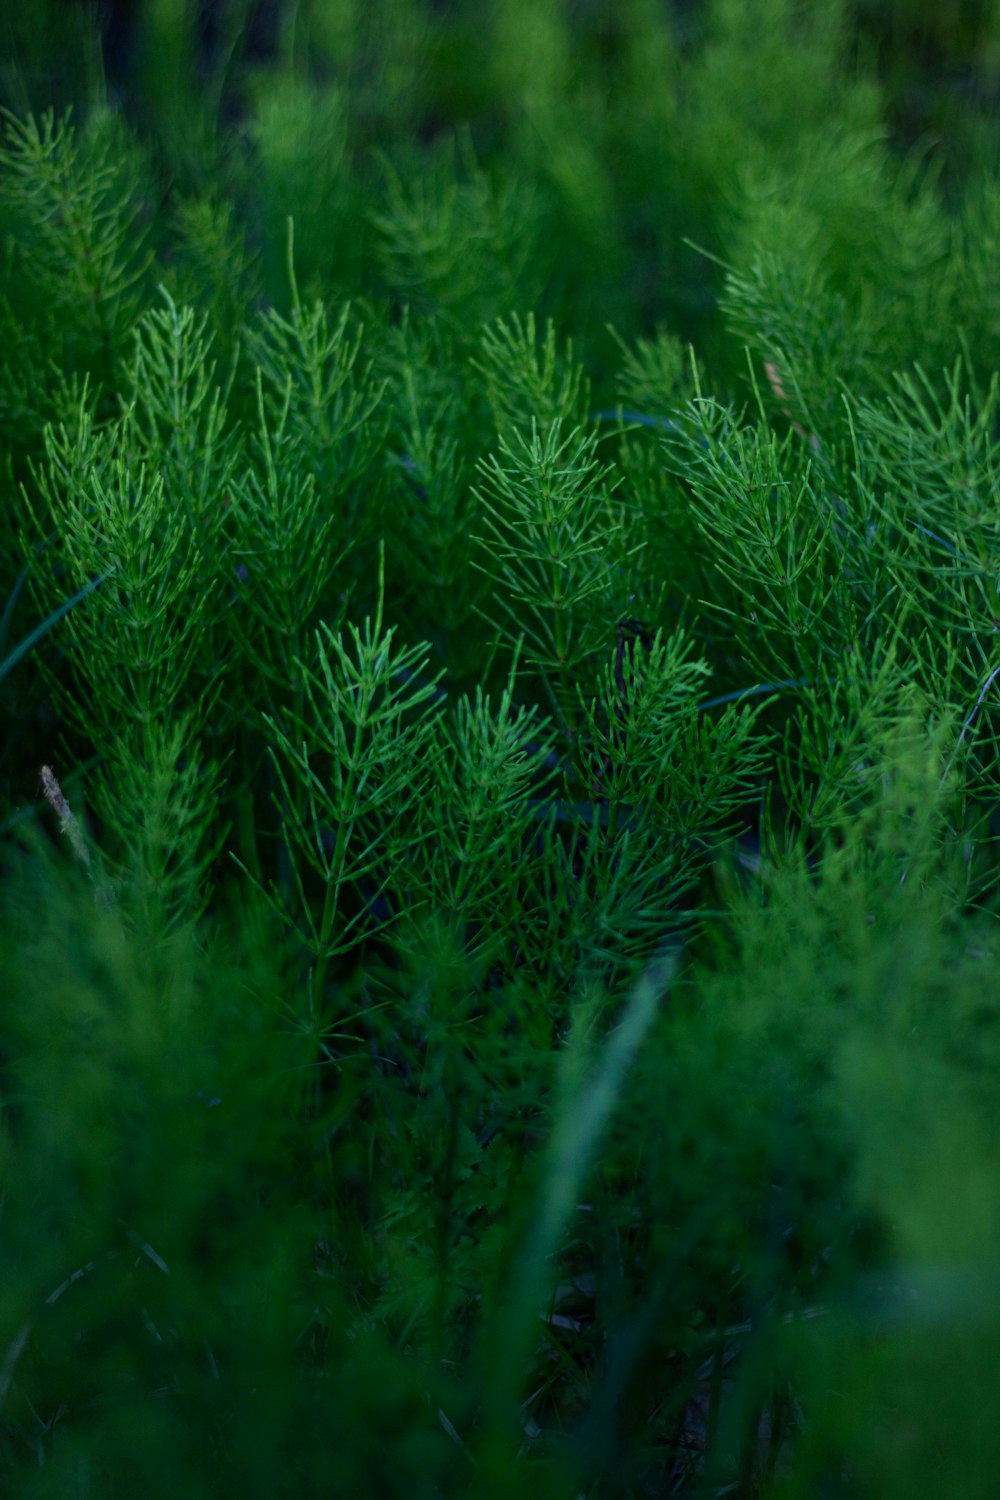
<point>331,899</point>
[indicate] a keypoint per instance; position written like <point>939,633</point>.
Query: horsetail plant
<point>363,729</point>
<point>522,690</point>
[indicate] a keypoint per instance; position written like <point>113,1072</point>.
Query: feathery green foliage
<point>499,776</point>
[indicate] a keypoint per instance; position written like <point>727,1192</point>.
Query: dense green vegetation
<point>499,784</point>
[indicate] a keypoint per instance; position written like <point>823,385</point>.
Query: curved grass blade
<point>23,647</point>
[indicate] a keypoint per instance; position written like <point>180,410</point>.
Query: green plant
<point>499,863</point>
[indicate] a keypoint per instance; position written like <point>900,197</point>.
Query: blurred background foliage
<point>626,124</point>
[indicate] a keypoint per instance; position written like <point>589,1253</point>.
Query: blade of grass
<point>583,1111</point>
<point>33,637</point>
